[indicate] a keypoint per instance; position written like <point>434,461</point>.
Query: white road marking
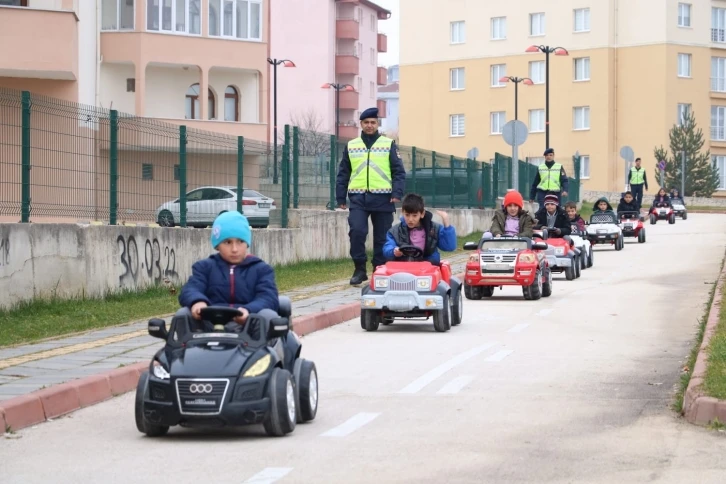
<point>543,312</point>
<point>562,302</point>
<point>500,355</point>
<point>269,475</point>
<point>518,328</point>
<point>432,375</point>
<point>351,425</point>
<point>455,385</point>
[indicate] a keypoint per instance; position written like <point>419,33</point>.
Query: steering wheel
<point>219,315</point>
<point>411,252</point>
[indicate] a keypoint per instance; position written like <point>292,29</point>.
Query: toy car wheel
<point>641,236</point>
<point>457,309</point>
<point>534,290</point>
<point>684,216</point>
<point>653,219</point>
<point>570,272</point>
<point>306,379</point>
<point>442,318</point>
<point>578,267</point>
<point>590,258</point>
<point>619,243</point>
<point>370,319</point>
<point>386,321</point>
<point>487,291</point>
<point>473,292</point>
<point>547,283</point>
<point>583,260</point>
<point>672,219</point>
<point>142,390</point>
<point>283,412</point>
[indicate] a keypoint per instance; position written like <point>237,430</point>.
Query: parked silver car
<point>204,204</point>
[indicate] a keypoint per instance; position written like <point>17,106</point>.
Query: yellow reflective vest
<point>370,169</point>
<point>637,177</point>
<point>549,178</point>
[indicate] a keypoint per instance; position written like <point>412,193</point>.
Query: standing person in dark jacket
<point>372,176</point>
<point>553,218</point>
<point>550,179</point>
<point>637,179</point>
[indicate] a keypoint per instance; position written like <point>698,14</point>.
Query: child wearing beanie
<point>512,219</point>
<point>231,277</point>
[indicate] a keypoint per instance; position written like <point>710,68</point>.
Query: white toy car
<point>679,207</point>
<point>604,229</point>
<point>584,246</point>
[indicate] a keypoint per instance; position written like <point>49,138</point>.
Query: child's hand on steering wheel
<point>243,317</point>
<point>397,252</point>
<point>197,308</point>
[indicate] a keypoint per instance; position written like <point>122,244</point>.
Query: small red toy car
<point>507,261</point>
<point>662,213</point>
<point>632,225</point>
<point>412,290</point>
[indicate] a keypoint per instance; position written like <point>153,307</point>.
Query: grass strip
<point>714,383</point>
<point>39,319</point>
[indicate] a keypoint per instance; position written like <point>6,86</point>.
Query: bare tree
<point>313,139</point>
<point>392,133</point>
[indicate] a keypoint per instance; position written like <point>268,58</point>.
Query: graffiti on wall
<point>4,252</point>
<point>148,261</point>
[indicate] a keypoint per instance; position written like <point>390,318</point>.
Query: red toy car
<point>662,213</point>
<point>507,261</point>
<point>412,289</point>
<point>632,225</point>
<point>562,256</point>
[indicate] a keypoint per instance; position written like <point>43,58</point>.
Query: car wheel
<point>487,291</point>
<point>370,319</point>
<point>547,283</point>
<point>672,219</point>
<point>142,391</point>
<point>283,412</point>
<point>165,219</point>
<point>685,215</point>
<point>534,290</point>
<point>457,309</point>
<point>653,220</point>
<point>306,379</point>
<point>590,258</point>
<point>473,292</point>
<point>442,318</point>
<point>583,260</point>
<point>570,273</point>
<point>576,262</point>
<point>618,243</point>
<point>641,236</point>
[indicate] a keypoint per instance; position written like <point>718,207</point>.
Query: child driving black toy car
<point>417,228</point>
<point>553,218</point>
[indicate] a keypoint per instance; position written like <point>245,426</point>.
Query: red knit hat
<point>514,197</point>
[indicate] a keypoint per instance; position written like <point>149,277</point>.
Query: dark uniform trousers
<point>637,193</point>
<point>358,223</point>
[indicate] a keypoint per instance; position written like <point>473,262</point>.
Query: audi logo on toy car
<point>200,388</point>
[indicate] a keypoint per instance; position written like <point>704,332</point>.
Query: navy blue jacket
<point>252,287</point>
<point>437,237</point>
<point>372,202</point>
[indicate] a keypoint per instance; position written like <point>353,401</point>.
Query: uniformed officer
<point>372,176</point>
<point>636,180</point>
<point>550,179</point>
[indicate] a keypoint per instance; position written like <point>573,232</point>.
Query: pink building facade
<point>330,41</point>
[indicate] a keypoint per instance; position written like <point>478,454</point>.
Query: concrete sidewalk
<point>25,369</point>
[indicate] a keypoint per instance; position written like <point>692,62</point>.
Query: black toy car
<point>215,372</point>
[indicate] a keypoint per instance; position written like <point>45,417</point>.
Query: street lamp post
<point>275,63</point>
<point>547,51</point>
<point>338,88</point>
<point>516,80</point>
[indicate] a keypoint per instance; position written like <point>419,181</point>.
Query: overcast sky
<point>390,28</point>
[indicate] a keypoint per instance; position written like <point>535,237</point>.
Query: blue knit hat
<point>231,225</point>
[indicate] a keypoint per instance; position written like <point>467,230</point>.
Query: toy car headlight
<point>559,251</point>
<point>474,258</point>
<point>381,282</point>
<point>526,258</point>
<point>423,283</point>
<point>259,367</point>
<point>160,372</point>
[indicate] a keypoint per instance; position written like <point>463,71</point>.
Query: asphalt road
<point>572,388</point>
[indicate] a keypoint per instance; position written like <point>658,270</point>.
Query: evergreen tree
<point>701,176</point>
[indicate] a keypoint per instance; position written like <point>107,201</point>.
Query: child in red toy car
<point>417,228</point>
<point>512,219</point>
<point>553,218</point>
<point>661,199</point>
<point>576,222</point>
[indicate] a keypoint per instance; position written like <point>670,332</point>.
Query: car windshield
<point>505,245</point>
<point>603,218</point>
<point>677,200</point>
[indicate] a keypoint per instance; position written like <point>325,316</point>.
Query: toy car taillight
<point>560,250</point>
<point>528,258</point>
<point>474,258</point>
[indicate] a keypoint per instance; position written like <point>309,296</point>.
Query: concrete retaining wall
<point>614,197</point>
<point>40,260</point>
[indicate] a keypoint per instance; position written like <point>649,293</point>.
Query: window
<point>499,28</point>
<point>498,120</point>
<point>584,166</point>
<point>456,125</point>
<point>373,89</point>
<point>178,16</point>
<point>373,57</point>
<point>237,19</point>
<point>498,71</point>
<point>684,65</point>
<point>177,173</point>
<point>683,111</point>
<point>458,81</point>
<point>360,84</point>
<point>718,24</point>
<point>718,123</point>
<point>718,74</point>
<point>719,162</point>
<point>581,20</point>
<point>373,23</point>
<point>536,120</point>
<point>147,171</point>
<point>115,14</point>
<point>684,14</point>
<point>582,69</point>
<point>536,24</point>
<point>192,108</point>
<point>537,72</point>
<point>231,104</point>
<point>458,32</point>
<point>14,3</point>
<point>581,118</point>
<point>536,160</point>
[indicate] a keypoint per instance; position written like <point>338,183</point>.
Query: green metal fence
<point>502,166</point>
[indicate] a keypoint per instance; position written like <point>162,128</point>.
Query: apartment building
<point>330,42</point>
<point>202,63</point>
<point>631,70</point>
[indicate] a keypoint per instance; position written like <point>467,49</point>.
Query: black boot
<point>359,275</point>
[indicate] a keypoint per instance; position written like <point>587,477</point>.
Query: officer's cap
<point>369,113</point>
<point>549,151</point>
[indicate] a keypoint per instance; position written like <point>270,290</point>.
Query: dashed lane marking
<point>455,385</point>
<point>499,355</point>
<point>518,328</point>
<point>269,475</point>
<point>351,425</point>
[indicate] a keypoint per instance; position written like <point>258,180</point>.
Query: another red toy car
<point>632,225</point>
<point>662,213</point>
<point>507,261</point>
<point>412,289</point>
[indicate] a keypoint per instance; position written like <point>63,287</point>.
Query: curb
<point>697,407</point>
<point>58,400</point>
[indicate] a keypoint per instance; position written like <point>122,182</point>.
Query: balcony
<point>382,76</point>
<point>381,105</point>
<point>348,100</point>
<point>41,44</point>
<point>347,62</point>
<point>382,43</point>
<point>347,28</point>
<point>348,131</point>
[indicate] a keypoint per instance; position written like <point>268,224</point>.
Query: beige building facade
<point>632,69</point>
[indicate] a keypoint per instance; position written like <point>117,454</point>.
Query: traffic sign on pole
<point>515,133</point>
